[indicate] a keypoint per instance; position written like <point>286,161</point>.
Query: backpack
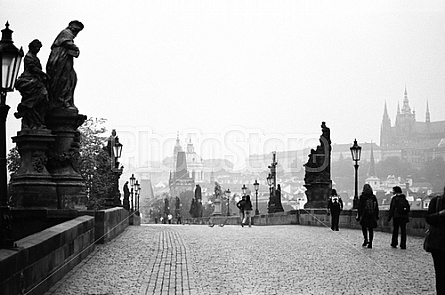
<point>402,207</point>
<point>369,206</point>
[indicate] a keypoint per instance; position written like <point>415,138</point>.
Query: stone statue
<point>318,171</point>
<point>62,77</point>
<point>126,202</point>
<point>32,85</point>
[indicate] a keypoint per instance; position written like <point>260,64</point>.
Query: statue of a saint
<point>32,86</point>
<point>62,77</point>
<point>126,202</point>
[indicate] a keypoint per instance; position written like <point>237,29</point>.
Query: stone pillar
<point>217,211</point>
<point>317,194</point>
<point>32,185</point>
<point>64,156</point>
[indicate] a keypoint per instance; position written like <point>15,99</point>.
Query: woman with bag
<point>435,217</point>
<point>368,214</point>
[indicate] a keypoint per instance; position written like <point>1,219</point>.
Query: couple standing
<point>245,208</point>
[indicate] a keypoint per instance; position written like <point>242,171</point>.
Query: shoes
<point>403,248</point>
<point>393,246</point>
<point>365,243</point>
<point>336,229</point>
<point>242,224</point>
<point>370,245</point>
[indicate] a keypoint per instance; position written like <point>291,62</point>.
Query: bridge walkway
<point>288,259</point>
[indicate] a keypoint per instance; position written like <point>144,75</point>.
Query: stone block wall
<point>109,223</point>
<point>41,259</point>
<point>318,217</point>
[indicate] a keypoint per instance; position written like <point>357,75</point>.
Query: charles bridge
<point>55,246</point>
<point>292,252</point>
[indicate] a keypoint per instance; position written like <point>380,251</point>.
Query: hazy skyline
<point>246,76</point>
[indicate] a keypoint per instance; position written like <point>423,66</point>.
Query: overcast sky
<point>254,76</point>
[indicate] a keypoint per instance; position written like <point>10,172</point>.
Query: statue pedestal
<point>217,210</point>
<point>32,185</point>
<point>317,194</point>
<point>63,158</point>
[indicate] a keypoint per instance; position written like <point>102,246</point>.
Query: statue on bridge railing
<point>63,78</point>
<point>32,85</point>
<point>126,202</point>
<point>318,172</point>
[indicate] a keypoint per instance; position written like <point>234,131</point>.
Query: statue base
<point>32,186</point>
<point>317,194</point>
<point>63,157</point>
<point>71,192</point>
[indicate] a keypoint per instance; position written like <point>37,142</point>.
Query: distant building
<point>194,162</point>
<point>180,179</point>
<point>410,139</point>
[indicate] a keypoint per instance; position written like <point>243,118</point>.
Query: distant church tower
<point>405,121</point>
<point>385,128</point>
<point>180,180</point>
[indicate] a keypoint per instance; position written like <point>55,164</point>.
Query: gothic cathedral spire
<point>385,128</point>
<point>427,116</point>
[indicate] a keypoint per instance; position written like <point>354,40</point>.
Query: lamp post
<point>11,58</point>
<point>256,185</point>
<point>136,199</point>
<point>132,179</point>
<point>116,152</point>
<point>139,195</point>
<point>228,192</point>
<point>356,151</point>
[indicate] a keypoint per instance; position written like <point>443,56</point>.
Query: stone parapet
<point>41,259</point>
<point>109,223</point>
<point>319,217</point>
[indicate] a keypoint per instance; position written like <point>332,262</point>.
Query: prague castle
<point>410,139</point>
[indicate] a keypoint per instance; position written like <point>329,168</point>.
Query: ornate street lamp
<point>136,189</point>
<point>244,189</point>
<point>117,149</point>
<point>228,193</point>
<point>256,185</point>
<point>10,57</point>
<point>269,179</point>
<point>139,195</point>
<point>356,151</point>
<point>132,179</point>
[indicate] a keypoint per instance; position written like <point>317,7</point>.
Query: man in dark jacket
<point>240,206</point>
<point>335,205</point>
<point>435,217</point>
<point>398,211</point>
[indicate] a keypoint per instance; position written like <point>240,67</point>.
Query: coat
<point>335,205</point>
<point>392,209</point>
<point>365,220</point>
<point>437,224</point>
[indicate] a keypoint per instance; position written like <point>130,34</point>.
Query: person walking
<point>335,205</point>
<point>398,211</point>
<point>368,214</point>
<point>247,212</point>
<point>240,206</point>
<point>435,217</point>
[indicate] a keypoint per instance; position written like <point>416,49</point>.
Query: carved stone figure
<point>318,171</point>
<point>32,85</point>
<point>62,77</point>
<point>126,202</point>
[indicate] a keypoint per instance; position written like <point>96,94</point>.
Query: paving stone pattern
<point>289,259</point>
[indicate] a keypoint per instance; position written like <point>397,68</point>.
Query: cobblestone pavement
<point>289,259</point>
